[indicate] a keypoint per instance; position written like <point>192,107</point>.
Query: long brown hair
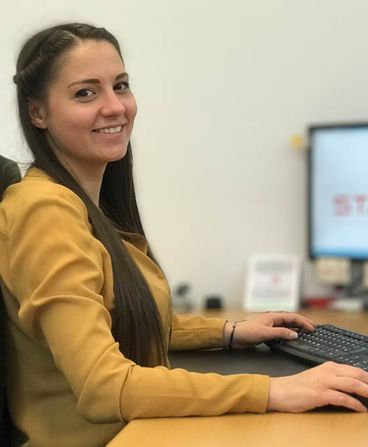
<point>136,322</point>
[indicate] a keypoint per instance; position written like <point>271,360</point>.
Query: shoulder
<point>38,188</point>
<point>38,194</point>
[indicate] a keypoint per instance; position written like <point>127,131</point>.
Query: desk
<point>333,428</point>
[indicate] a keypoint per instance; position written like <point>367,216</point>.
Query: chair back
<point>9,174</point>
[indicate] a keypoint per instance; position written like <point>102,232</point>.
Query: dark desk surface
<point>260,360</point>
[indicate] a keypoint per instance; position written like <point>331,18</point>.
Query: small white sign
<point>272,283</point>
<point>335,271</point>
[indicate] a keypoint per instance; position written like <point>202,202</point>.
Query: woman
<point>90,318</point>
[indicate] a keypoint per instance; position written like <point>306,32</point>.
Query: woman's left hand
<point>260,327</point>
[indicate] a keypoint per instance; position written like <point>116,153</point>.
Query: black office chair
<point>9,174</point>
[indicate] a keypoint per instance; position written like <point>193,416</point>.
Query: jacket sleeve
<point>58,272</point>
<point>196,332</point>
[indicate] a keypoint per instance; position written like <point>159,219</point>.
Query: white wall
<point>221,87</point>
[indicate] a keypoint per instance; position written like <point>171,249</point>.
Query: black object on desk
<point>258,360</point>
<point>214,302</point>
<point>327,342</point>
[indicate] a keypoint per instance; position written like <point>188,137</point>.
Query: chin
<point>119,157</point>
<point>116,155</point>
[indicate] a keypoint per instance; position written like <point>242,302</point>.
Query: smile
<point>109,130</point>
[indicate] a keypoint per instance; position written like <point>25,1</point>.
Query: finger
<point>299,319</point>
<point>350,371</point>
<point>290,318</point>
<point>341,399</point>
<point>280,332</point>
<point>352,385</point>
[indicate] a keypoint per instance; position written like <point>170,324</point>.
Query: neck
<point>92,186</point>
<point>89,177</point>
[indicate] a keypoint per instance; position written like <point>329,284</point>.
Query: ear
<point>37,114</point>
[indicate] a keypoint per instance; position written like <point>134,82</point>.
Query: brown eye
<point>122,86</point>
<point>84,93</point>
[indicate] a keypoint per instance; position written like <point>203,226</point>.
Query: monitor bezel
<point>311,129</point>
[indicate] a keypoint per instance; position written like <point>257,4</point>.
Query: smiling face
<point>90,110</point>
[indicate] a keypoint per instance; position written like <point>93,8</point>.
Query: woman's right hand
<point>326,384</point>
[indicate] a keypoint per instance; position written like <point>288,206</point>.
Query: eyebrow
<point>96,81</point>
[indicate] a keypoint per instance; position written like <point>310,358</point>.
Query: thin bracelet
<point>229,346</point>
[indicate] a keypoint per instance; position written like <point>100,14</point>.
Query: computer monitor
<point>338,191</point>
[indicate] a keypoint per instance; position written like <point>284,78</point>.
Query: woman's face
<point>90,110</point>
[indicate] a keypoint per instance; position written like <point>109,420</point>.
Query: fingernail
<point>293,335</point>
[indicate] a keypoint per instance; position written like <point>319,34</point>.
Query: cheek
<point>73,117</point>
<point>69,134</point>
<point>132,107</point>
<point>80,119</point>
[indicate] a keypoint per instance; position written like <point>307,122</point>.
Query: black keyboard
<point>327,342</point>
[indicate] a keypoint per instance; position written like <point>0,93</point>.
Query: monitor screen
<point>338,191</point>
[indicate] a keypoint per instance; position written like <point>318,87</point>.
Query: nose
<point>112,104</point>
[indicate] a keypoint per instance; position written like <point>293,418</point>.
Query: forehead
<point>90,59</point>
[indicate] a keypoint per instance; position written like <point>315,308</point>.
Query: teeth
<point>109,130</point>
